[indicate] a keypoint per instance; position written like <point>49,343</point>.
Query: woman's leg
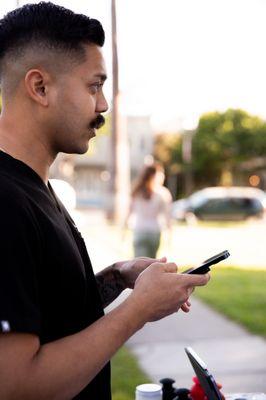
<point>146,244</point>
<point>154,243</point>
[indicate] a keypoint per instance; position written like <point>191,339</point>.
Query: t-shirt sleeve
<point>166,205</point>
<point>20,257</point>
<point>166,200</point>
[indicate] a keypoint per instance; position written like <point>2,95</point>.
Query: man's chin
<point>82,149</point>
<point>92,133</point>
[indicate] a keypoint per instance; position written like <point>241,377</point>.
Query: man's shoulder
<point>15,205</point>
<point>10,191</point>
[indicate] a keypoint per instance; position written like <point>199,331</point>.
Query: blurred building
<point>89,173</point>
<point>141,141</point>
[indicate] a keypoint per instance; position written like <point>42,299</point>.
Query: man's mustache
<point>98,122</point>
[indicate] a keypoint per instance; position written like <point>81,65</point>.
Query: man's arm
<point>61,369</point>
<point>110,284</point>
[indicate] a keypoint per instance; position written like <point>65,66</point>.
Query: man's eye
<point>96,87</point>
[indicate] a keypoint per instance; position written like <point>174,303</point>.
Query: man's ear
<point>36,84</point>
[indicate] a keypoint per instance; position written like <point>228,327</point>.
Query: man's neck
<point>27,149</point>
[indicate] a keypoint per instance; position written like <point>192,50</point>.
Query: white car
<point>221,204</point>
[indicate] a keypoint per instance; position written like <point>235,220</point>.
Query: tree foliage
<point>168,150</point>
<point>221,142</point>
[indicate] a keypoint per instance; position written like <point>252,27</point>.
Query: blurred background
<point>190,91</point>
<point>186,87</point>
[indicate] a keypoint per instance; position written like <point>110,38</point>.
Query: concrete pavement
<point>236,358</point>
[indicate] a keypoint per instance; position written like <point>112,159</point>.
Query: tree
<point>221,143</point>
<point>168,150</point>
<point>224,140</point>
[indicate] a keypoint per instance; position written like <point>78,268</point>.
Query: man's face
<point>77,104</point>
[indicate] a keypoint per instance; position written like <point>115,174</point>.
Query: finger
<point>186,303</point>
<point>152,260</point>
<point>164,267</point>
<point>163,259</point>
<point>170,267</point>
<point>197,280</point>
<point>185,307</point>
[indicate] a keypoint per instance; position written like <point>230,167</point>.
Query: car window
<point>215,206</point>
<point>246,204</point>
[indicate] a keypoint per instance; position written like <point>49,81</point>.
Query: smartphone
<point>205,267</point>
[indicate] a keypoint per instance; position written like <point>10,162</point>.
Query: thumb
<point>164,266</point>
<point>197,280</point>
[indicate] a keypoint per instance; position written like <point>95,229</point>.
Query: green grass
<point>240,294</point>
<point>126,375</point>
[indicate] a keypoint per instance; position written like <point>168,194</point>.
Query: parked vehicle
<point>221,204</point>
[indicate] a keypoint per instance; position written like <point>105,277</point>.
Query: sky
<point>181,58</point>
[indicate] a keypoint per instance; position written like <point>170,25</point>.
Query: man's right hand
<point>25,364</point>
<point>160,291</point>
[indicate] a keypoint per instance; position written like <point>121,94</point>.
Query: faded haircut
<point>46,32</point>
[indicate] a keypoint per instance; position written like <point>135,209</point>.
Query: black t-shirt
<point>47,285</point>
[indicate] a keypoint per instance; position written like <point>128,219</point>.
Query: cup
<point>149,391</point>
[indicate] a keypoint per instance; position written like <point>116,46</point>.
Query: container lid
<point>149,389</point>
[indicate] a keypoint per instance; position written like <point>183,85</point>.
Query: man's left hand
<point>130,269</point>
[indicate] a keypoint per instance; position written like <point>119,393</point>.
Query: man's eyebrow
<point>103,77</point>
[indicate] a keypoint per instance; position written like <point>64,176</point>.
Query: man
<point>55,341</point>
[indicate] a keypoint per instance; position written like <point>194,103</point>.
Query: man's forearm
<point>61,369</point>
<point>110,284</point>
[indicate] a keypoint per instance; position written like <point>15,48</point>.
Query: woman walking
<point>150,206</point>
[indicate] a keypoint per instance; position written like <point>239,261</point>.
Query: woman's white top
<point>152,214</point>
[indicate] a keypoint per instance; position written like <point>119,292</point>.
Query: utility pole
<point>119,168</point>
<point>115,116</point>
<point>190,124</point>
<point>187,159</point>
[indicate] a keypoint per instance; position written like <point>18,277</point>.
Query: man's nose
<point>102,104</point>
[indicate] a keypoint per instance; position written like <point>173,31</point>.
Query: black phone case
<point>205,267</point>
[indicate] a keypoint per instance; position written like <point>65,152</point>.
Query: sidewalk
<point>236,358</point>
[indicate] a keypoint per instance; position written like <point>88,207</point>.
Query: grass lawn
<point>240,294</point>
<point>126,375</point>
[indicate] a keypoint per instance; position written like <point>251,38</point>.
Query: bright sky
<point>179,58</point>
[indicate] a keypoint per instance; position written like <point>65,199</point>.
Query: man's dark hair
<point>47,26</point>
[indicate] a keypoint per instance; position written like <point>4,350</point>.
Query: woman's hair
<point>143,184</point>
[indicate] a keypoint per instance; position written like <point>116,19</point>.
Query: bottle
<point>168,389</point>
<point>149,391</point>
